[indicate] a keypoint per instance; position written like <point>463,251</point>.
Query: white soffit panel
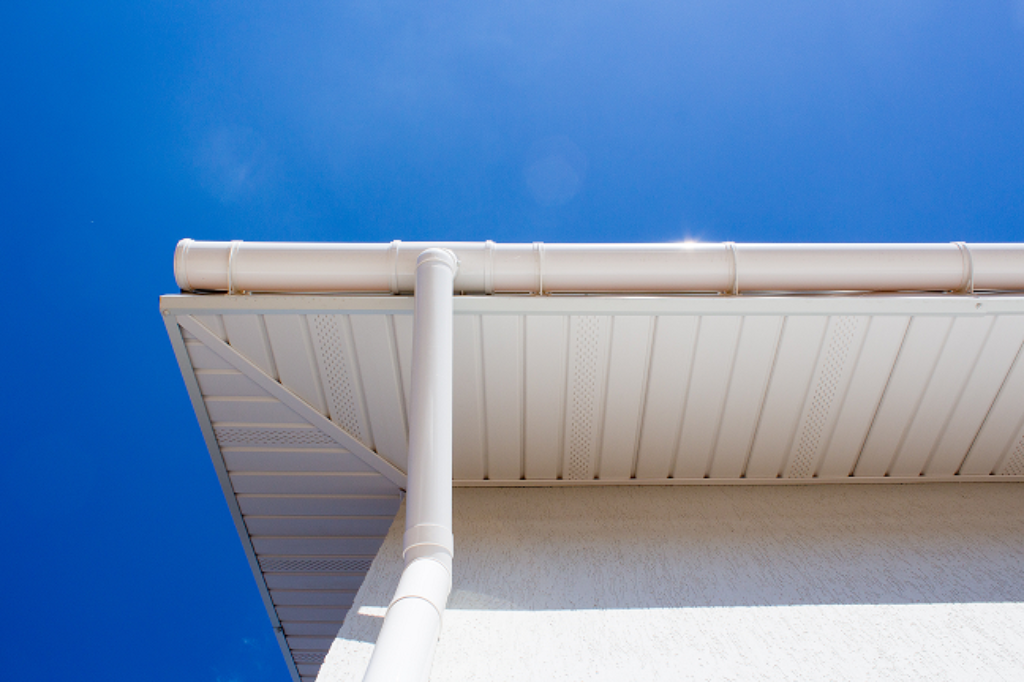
<point>697,389</point>
<point>748,376</point>
<point>823,403</point>
<point>627,375</point>
<point>501,383</point>
<point>869,374</point>
<point>311,512</point>
<point>988,378</point>
<point>589,341</point>
<point>713,361</point>
<point>302,401</point>
<point>669,361</point>
<point>469,446</point>
<point>544,408</point>
<point>795,361</point>
<point>376,354</point>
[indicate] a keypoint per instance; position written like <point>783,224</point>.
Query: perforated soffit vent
<point>280,565</point>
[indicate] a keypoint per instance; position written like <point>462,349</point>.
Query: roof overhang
<point>302,400</point>
<point>632,390</point>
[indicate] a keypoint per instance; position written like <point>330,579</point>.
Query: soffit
<point>303,404</point>
<point>648,390</point>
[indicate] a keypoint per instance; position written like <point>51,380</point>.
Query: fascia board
<point>867,304</point>
<point>265,304</point>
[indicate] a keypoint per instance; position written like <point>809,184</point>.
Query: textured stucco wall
<point>848,582</point>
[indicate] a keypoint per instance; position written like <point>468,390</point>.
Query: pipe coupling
<point>425,579</point>
<point>429,540</point>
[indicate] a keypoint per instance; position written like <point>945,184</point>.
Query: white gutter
<point>487,268</point>
<point>405,646</point>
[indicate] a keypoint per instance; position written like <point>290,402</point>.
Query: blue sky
<point>127,126</point>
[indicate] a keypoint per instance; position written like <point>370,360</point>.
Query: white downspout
<point>405,647</point>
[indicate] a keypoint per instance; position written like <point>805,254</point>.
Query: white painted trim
<point>297,404</point>
<point>859,304</point>
<point>217,457</point>
<point>260,304</point>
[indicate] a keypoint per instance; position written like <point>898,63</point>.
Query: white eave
<point>302,400</point>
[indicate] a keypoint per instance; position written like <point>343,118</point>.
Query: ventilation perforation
<point>338,383</point>
<point>584,388</point>
<point>1015,462</point>
<point>234,436</point>
<point>824,394</point>
<point>309,657</point>
<point>318,565</point>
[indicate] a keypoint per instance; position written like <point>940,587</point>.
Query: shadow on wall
<point>692,547</point>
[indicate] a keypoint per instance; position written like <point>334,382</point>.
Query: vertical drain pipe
<point>405,646</point>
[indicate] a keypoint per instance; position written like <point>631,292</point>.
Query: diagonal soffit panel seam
<point>294,402</point>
